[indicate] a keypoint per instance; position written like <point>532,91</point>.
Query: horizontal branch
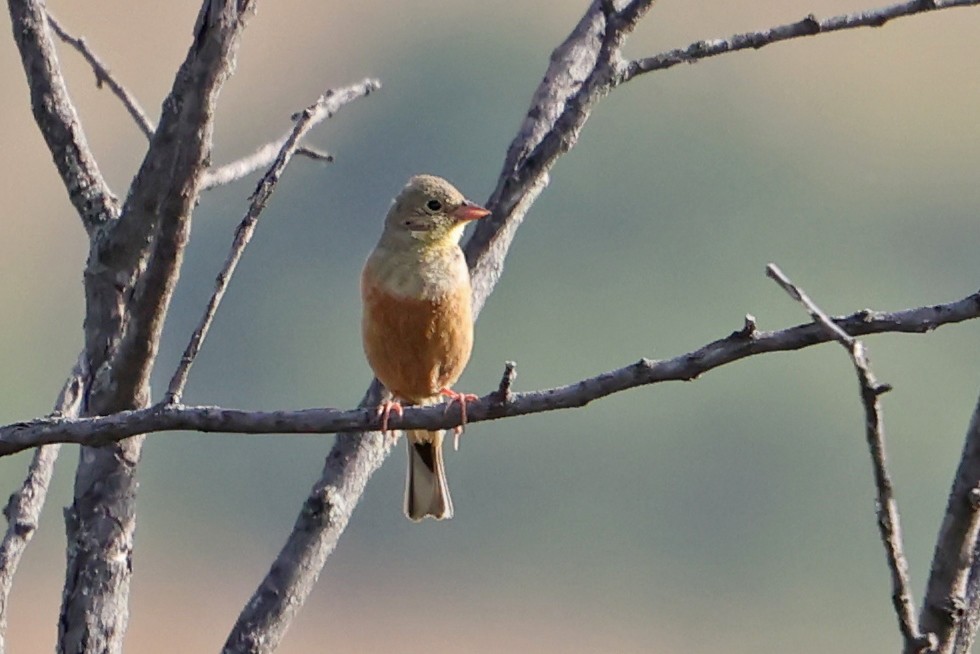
<point>809,26</point>
<point>744,343</point>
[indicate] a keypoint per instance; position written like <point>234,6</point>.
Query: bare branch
<point>23,509</point>
<point>949,610</point>
<point>166,189</point>
<point>887,508</point>
<point>139,258</point>
<point>56,117</point>
<point>262,157</point>
<point>745,342</point>
<point>319,525</point>
<point>966,628</point>
<point>503,393</point>
<point>325,106</point>
<point>314,153</point>
<point>132,269</point>
<point>103,76</point>
<point>809,26</point>
<point>582,70</point>
<point>585,67</point>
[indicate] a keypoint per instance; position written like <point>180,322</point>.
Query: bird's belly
<point>417,347</point>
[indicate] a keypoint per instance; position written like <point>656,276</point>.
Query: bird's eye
<point>433,205</point>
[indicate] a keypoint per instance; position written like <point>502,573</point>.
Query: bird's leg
<point>385,409</point>
<point>462,398</point>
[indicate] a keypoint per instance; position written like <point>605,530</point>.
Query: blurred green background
<point>731,514</point>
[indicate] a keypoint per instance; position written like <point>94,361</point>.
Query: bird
<point>417,323</point>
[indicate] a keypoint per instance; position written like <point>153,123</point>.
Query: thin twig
<point>263,156</point>
<point>103,76</point>
<point>808,26</point>
<point>887,508</point>
<point>503,392</point>
<point>738,345</point>
<point>231,172</point>
<point>325,106</point>
<point>23,510</point>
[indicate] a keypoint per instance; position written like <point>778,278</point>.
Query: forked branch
<point>326,105</point>
<point>887,508</point>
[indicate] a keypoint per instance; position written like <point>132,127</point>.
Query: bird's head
<point>430,211</point>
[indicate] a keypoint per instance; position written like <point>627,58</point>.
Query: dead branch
<point>809,26</point>
<point>741,344</point>
<point>325,106</point>
<point>887,508</point>
<point>103,76</point>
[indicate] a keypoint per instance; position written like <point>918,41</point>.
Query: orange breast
<point>416,347</point>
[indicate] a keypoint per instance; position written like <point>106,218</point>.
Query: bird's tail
<point>426,492</point>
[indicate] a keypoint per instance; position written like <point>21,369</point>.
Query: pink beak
<point>469,211</point>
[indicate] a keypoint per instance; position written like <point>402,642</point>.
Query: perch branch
<point>103,76</point>
<point>325,106</point>
<point>808,26</point>
<point>580,72</point>
<point>740,344</point>
<point>887,508</point>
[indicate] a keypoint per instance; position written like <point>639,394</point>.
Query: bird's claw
<point>462,398</point>
<point>385,409</point>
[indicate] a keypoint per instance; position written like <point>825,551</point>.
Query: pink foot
<point>385,409</point>
<point>462,398</point>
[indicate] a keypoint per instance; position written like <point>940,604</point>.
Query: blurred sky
<point>731,514</point>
